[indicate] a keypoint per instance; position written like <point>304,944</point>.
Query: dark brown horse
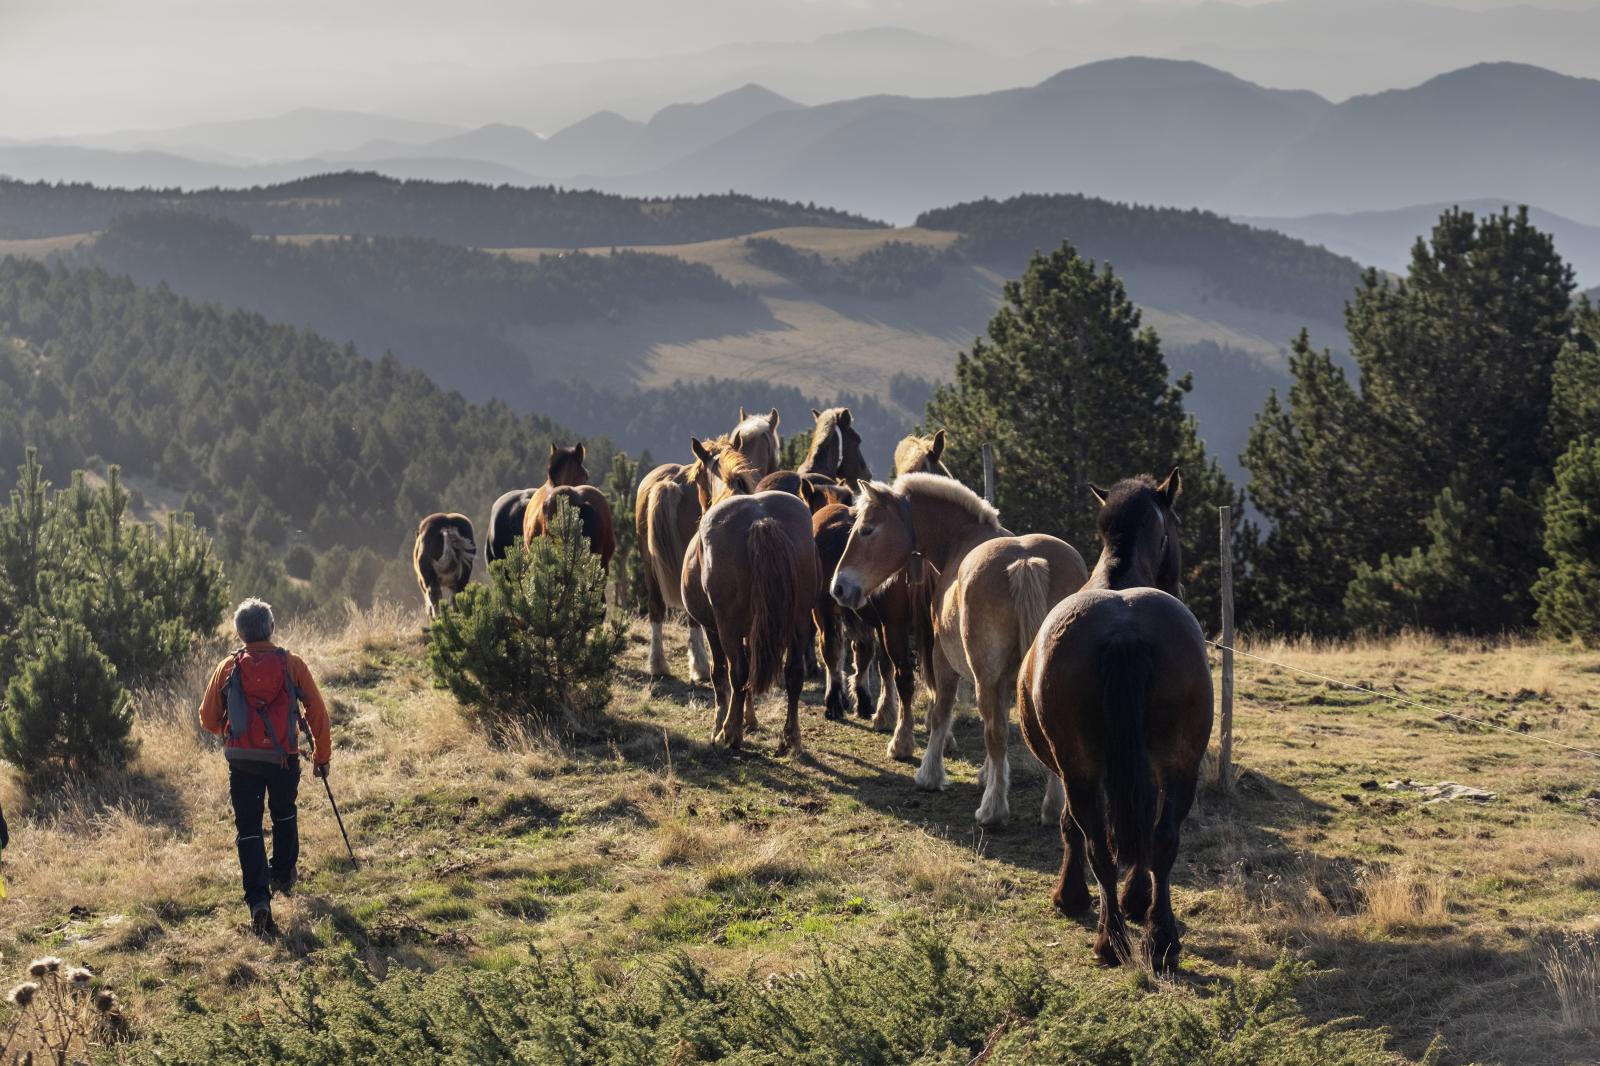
<point>1115,697</point>
<point>835,448</point>
<point>507,516</point>
<point>817,490</point>
<point>594,512</point>
<point>750,578</point>
<point>881,631</point>
<point>565,470</point>
<point>442,557</point>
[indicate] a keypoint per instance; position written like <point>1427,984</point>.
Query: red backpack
<point>263,708</point>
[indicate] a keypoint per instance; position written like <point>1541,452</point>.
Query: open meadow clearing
<point>616,852</point>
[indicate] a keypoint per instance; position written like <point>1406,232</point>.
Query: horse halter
<point>915,570</point>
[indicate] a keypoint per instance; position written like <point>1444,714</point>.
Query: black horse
<point>505,522</point>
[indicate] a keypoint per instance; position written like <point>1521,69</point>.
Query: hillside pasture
<point>619,851</point>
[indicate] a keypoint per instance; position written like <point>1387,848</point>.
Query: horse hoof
<point>1107,952</point>
<point>902,753</point>
<point>992,820</point>
<point>931,783</point>
<point>883,723</point>
<point>1073,902</point>
<point>864,708</point>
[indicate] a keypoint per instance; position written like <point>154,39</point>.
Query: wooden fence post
<point>988,473</point>
<point>1225,759</point>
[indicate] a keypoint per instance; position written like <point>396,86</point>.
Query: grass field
<point>618,851</point>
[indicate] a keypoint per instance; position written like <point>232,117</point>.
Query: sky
<point>71,67</point>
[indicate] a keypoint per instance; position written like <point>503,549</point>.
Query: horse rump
<point>773,601</point>
<point>1126,664</point>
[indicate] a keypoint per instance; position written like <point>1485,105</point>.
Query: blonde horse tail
<point>665,546</point>
<point>774,584</point>
<point>1030,592</point>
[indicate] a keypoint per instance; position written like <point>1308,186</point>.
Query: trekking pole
<point>331,802</point>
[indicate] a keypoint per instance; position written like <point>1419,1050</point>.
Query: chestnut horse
<point>1115,697</point>
<point>990,590</point>
<point>835,448</point>
<point>750,578</point>
<point>442,557</point>
<point>881,631</point>
<point>756,438</point>
<point>565,469</point>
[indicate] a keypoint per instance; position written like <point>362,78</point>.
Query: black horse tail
<point>774,585</point>
<point>1125,669</point>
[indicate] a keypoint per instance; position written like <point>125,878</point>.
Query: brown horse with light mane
<point>920,455</point>
<point>835,448</point>
<point>750,578</point>
<point>442,557</point>
<point>1115,697</point>
<point>565,471</point>
<point>990,590</point>
<point>667,509</point>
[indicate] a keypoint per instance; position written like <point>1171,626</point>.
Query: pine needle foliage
<point>531,647</point>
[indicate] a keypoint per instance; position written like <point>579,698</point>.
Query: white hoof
<point>932,781</point>
<point>991,815</point>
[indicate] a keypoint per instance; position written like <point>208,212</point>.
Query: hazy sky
<point>78,66</point>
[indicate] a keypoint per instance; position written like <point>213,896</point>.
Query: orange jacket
<point>214,707</point>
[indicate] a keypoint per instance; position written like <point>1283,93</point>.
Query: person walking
<point>259,700</point>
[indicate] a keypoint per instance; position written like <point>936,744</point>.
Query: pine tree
<point>64,710</point>
<point>1070,390</point>
<point>627,563</point>
<point>531,647</point>
<point>1568,591</point>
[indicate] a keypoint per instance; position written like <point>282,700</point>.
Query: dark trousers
<point>252,787</point>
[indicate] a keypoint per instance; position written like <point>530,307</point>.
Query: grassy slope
<point>1427,919</point>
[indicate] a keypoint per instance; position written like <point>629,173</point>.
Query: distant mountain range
<point>1384,238</point>
<point>1137,129</point>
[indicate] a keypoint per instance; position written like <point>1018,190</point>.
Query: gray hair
<point>253,621</point>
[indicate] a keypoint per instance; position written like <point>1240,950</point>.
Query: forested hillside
<point>454,212</point>
<point>1250,267</point>
<point>444,309</point>
<point>272,434</point>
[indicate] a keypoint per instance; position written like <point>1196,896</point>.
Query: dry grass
<point>1428,919</point>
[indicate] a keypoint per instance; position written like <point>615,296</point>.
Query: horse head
<point>920,455</point>
<point>720,471</point>
<point>836,447</point>
<point>1139,535</point>
<point>882,542</point>
<point>566,465</point>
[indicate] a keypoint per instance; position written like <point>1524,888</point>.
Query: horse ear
<point>815,413</point>
<point>699,451</point>
<point>772,419</point>
<point>1170,488</point>
<point>844,417</point>
<point>938,446</point>
<point>577,451</point>
<point>742,415</point>
<point>553,449</point>
<point>1099,493</point>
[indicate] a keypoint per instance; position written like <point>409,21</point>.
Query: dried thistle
<point>23,994</point>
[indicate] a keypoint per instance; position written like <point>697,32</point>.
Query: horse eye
<point>866,531</point>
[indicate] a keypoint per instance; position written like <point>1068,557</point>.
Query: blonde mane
<point>938,487</point>
<point>757,424</point>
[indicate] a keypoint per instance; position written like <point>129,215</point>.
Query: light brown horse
<point>920,455</point>
<point>442,557</point>
<point>835,448</point>
<point>565,470</point>
<point>750,578</point>
<point>990,590</point>
<point>1115,698</point>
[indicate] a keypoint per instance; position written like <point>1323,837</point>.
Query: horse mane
<point>938,487</point>
<point>757,424</point>
<point>1119,521</point>
<point>827,426</point>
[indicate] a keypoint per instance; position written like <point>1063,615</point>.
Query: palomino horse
<point>990,590</point>
<point>920,455</point>
<point>566,470</point>
<point>594,512</point>
<point>835,448</point>
<point>750,577</point>
<point>1115,697</point>
<point>442,557</point>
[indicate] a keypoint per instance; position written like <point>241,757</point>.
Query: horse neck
<point>1118,571</point>
<point>947,531</point>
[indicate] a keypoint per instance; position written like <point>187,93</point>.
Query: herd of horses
<point>1107,667</point>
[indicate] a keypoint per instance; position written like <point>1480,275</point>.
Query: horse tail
<point>1030,592</point>
<point>666,539</point>
<point>1125,668</point>
<point>774,583</point>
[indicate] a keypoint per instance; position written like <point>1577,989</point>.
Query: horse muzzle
<point>847,591</point>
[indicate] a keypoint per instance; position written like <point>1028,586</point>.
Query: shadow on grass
<point>151,799</point>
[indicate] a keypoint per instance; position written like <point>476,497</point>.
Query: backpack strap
<point>296,701</point>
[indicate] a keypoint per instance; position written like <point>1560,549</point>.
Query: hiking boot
<point>282,888</point>
<point>261,922</point>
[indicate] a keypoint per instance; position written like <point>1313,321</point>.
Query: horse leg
<point>734,724</point>
<point>699,657</point>
<point>930,775</point>
<point>1111,941</point>
<point>1038,746</point>
<point>888,683</point>
<point>833,659</point>
<point>1071,896</point>
<point>794,680</point>
<point>723,692</point>
<point>1164,945</point>
<point>866,649</point>
<point>993,705</point>
<point>1136,894</point>
<point>657,608</point>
